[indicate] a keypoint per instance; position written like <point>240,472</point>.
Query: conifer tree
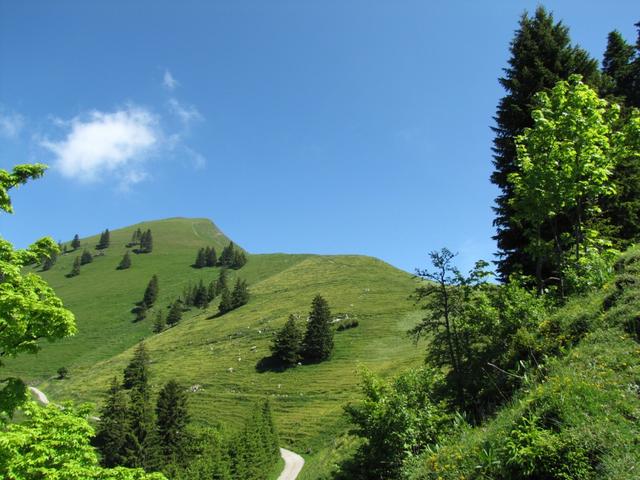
<point>159,324</point>
<point>141,313</point>
<point>86,257</point>
<point>541,55</point>
<point>105,239</point>
<point>125,262</point>
<point>240,295</point>
<point>135,238</point>
<point>49,260</point>
<point>151,292</point>
<point>617,65</point>
<point>113,429</point>
<point>171,423</point>
<point>75,269</point>
<point>221,283</point>
<point>318,339</point>
<point>226,304</point>
<point>201,260</point>
<point>226,257</point>
<point>201,297</point>
<point>146,242</point>
<point>271,440</point>
<point>211,292</point>
<point>239,260</point>
<point>75,243</point>
<point>175,313</point>
<point>136,374</point>
<point>287,344</point>
<point>210,256</point>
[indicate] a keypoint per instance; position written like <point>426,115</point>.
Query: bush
<point>346,325</point>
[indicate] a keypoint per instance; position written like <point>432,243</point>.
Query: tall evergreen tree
<point>159,324</point>
<point>221,283</point>
<point>175,313</point>
<point>240,294</point>
<point>318,339</point>
<point>151,292</point>
<point>172,418</point>
<point>239,260</point>
<point>105,240</point>
<point>211,292</point>
<point>135,237</point>
<point>125,262</point>
<point>226,305</point>
<point>86,257</point>
<point>75,269</point>
<point>75,243</point>
<point>146,242</point>
<point>287,344</point>
<point>113,429</point>
<point>201,298</point>
<point>541,55</point>
<point>226,257</point>
<point>141,313</point>
<point>617,65</point>
<point>210,256</point>
<point>201,260</point>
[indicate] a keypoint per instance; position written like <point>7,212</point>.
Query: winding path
<point>293,462</point>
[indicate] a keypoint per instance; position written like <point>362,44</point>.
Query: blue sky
<point>296,126</point>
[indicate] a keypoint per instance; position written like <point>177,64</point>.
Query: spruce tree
<point>105,239</point>
<point>75,243</point>
<point>541,55</point>
<point>210,256</point>
<point>226,257</point>
<point>318,339</point>
<point>171,423</point>
<point>135,238</point>
<point>240,294</point>
<point>201,260</point>
<point>226,304</point>
<point>141,313</point>
<point>139,446</point>
<point>86,257</point>
<point>113,429</point>
<point>146,242</point>
<point>151,292</point>
<point>287,344</point>
<point>239,260</point>
<point>75,269</point>
<point>221,283</point>
<point>125,262</point>
<point>271,439</point>
<point>211,292</point>
<point>159,324</point>
<point>175,313</point>
<point>617,65</point>
<point>201,299</point>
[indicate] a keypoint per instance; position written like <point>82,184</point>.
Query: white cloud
<point>168,81</point>
<point>102,144</point>
<point>186,113</point>
<point>11,124</point>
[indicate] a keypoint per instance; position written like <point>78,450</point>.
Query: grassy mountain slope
<point>201,350</point>
<point>581,420</point>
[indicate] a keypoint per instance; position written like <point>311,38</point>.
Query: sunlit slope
<point>220,354</point>
<point>102,297</point>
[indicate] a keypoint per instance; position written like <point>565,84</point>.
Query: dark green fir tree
<point>318,338</point>
<point>75,243</point>
<point>75,269</point>
<point>225,302</point>
<point>239,260</point>
<point>105,240</point>
<point>172,419</point>
<point>86,257</point>
<point>151,292</point>
<point>112,431</point>
<point>201,260</point>
<point>125,262</point>
<point>210,257</point>
<point>240,294</point>
<point>221,283</point>
<point>175,313</point>
<point>159,323</point>
<point>287,344</point>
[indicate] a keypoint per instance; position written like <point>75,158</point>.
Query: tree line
<point>132,433</point>
<point>230,257</point>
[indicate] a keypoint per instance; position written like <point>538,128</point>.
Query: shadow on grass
<point>272,364</point>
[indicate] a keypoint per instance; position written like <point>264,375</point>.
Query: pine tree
<point>159,324</point>
<point>226,304</point>
<point>541,55</point>
<point>151,292</point>
<point>135,238</point>
<point>136,379</point>
<point>226,257</point>
<point>75,270</point>
<point>617,65</point>
<point>125,262</point>
<point>113,429</point>
<point>318,339</point>
<point>86,257</point>
<point>240,295</point>
<point>201,260</point>
<point>141,313</point>
<point>175,313</point>
<point>146,242</point>
<point>75,243</point>
<point>210,256</point>
<point>272,440</point>
<point>105,239</point>
<point>287,344</point>
<point>221,283</point>
<point>201,296</point>
<point>211,292</point>
<point>239,260</point>
<point>171,422</point>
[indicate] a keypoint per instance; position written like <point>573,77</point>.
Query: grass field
<point>220,354</point>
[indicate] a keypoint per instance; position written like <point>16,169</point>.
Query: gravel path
<point>293,463</point>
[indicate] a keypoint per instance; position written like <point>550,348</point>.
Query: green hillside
<point>220,354</point>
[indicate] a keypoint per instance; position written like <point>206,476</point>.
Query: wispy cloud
<point>100,144</point>
<point>169,82</point>
<point>11,123</point>
<point>185,113</point>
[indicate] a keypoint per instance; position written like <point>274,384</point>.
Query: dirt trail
<point>293,463</point>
